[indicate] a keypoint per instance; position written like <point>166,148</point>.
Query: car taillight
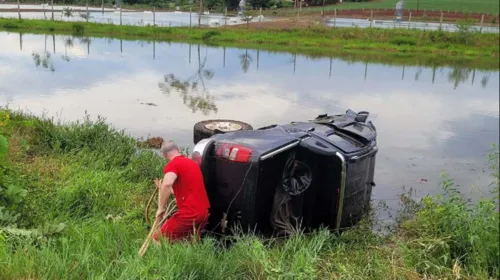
<point>234,152</point>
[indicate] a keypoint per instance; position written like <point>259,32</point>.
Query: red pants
<point>179,227</point>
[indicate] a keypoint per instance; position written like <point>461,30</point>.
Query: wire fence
<point>409,21</point>
<point>375,18</point>
<point>422,9</point>
<point>126,17</point>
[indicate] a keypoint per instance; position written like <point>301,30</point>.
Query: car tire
<point>208,128</point>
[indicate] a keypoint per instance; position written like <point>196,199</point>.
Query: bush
<point>10,25</point>
<point>403,41</point>
<point>91,140</point>
<point>464,35</point>
<point>209,34</point>
<point>78,29</point>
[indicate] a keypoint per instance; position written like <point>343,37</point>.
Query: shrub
<point>464,35</point>
<point>10,25</point>
<point>403,41</point>
<point>209,34</point>
<point>78,29</point>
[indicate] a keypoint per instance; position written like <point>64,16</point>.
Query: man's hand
<point>159,214</point>
<point>158,182</point>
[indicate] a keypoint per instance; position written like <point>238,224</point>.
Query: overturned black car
<point>283,178</point>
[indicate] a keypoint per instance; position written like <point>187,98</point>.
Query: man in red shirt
<point>184,179</point>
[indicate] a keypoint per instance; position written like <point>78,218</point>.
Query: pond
<point>429,120</point>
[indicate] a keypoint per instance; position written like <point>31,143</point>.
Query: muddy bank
<point>151,143</point>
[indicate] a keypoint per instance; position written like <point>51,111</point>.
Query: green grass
<point>462,6</point>
<point>468,47</point>
<point>71,207</point>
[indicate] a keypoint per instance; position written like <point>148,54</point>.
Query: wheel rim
<point>223,126</point>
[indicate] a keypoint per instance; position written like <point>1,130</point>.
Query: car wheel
<point>206,129</point>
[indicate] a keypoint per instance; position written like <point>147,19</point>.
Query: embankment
<point>72,203</point>
<point>317,40</point>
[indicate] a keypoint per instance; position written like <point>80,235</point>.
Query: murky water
<point>429,120</point>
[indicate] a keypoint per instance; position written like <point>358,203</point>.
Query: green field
<point>72,199</point>
<point>475,6</point>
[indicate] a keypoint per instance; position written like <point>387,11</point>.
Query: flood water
<point>429,120</point>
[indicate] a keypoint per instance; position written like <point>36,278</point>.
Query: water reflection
<point>245,60</point>
<point>44,60</point>
<point>86,41</point>
<point>457,75</point>
<point>68,43</point>
<point>193,97</point>
<point>485,79</point>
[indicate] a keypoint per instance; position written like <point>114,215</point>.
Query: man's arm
<point>164,192</point>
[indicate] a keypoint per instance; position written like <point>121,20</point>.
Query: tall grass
<point>82,218</point>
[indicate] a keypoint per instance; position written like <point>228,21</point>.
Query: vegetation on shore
<point>71,207</point>
<point>321,40</point>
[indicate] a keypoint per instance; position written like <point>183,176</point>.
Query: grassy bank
<point>318,40</point>
<point>72,200</point>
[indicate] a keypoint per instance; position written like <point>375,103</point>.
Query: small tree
<point>67,12</point>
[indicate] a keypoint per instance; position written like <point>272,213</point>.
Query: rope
<point>223,222</point>
<point>171,207</point>
<point>146,211</point>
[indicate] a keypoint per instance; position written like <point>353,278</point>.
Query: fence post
<point>199,16</point>
<point>260,14</point>
<point>190,10</point>
<point>87,9</point>
<point>335,18</point>
<point>225,16</point>
<point>371,18</point>
<point>481,26</point>
<point>52,5</point>
<point>102,6</point>
<point>154,15</point>
<point>299,9</point>
<point>120,14</point>
<point>18,9</point>
<point>441,21</point>
<point>409,21</point>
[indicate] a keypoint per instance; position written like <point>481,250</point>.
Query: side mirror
<point>362,116</point>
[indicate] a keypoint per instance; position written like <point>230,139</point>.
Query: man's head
<point>169,149</point>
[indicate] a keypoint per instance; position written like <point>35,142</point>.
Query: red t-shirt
<point>189,188</point>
